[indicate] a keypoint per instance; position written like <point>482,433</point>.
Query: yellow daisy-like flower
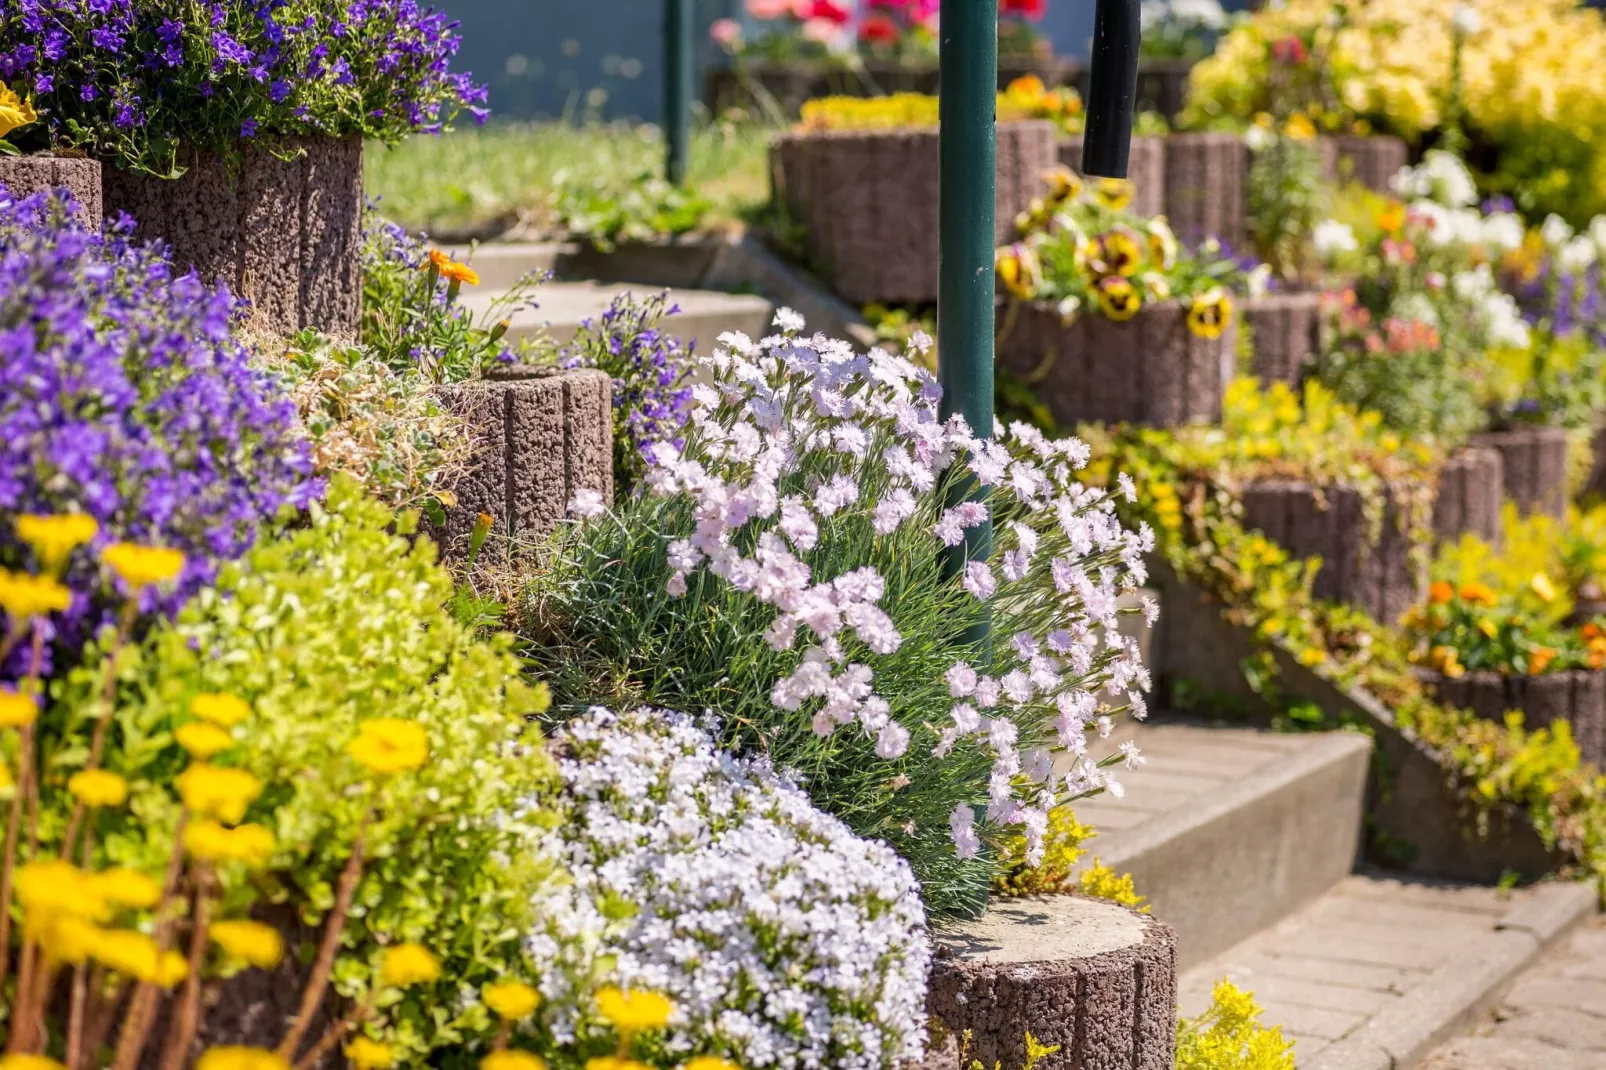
<point>54,538</point>
<point>25,597</point>
<point>512,1000</point>
<point>368,1054</point>
<point>249,941</point>
<point>202,739</point>
<point>408,964</point>
<point>216,792</point>
<point>223,710</point>
<point>54,887</point>
<point>1118,298</point>
<point>614,1062</point>
<point>251,844</point>
<point>65,939</point>
<point>1210,313</point>
<point>135,955</point>
<point>128,888</point>
<point>1114,194</point>
<point>98,787</point>
<point>17,710</point>
<point>710,1062</point>
<point>238,1058</point>
<point>15,112</point>
<point>512,1059</point>
<point>18,1061</point>
<point>143,566</point>
<point>630,1012</point>
<point>390,745</point>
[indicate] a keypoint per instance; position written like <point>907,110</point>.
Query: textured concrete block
<point>1471,491</point>
<point>23,176</point>
<point>1150,370</point>
<point>1534,463</point>
<point>1576,696</point>
<point>286,234</point>
<point>867,201</point>
<point>537,440</point>
<point>1368,161</point>
<point>1097,979</point>
<point>1146,169</point>
<point>1285,333</point>
<point>1206,187</point>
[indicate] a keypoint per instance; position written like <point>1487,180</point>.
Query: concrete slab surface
<point>561,307</point>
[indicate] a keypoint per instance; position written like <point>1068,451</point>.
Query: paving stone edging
<point>1471,982</point>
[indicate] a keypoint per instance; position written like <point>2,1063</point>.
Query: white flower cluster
<point>781,938</point>
<point>1204,14</point>
<point>797,439</point>
<point>1575,253</point>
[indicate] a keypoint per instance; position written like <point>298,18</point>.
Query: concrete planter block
<point>1095,978</point>
<point>1383,580</point>
<point>867,201</point>
<point>538,439</point>
<point>1576,696</point>
<point>1206,184</point>
<point>1369,161</point>
<point>1535,466</point>
<point>1146,170</point>
<point>285,234</point>
<point>1285,331</point>
<point>23,176</point>
<point>1149,370</point>
<point>1471,491</point>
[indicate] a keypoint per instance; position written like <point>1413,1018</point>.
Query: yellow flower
<point>1488,628</point>
<point>224,710</point>
<point>408,964</point>
<point>24,596</point>
<point>1113,194</point>
<point>143,566</point>
<point>1300,128</point>
<point>368,1054</point>
<point>1542,587</point>
<point>1115,253</point>
<point>15,112</point>
<point>1063,185</point>
<point>451,270</point>
<point>54,538</point>
<point>65,939</point>
<point>512,1000</point>
<point>217,792</point>
<point>17,710</point>
<point>29,1062</point>
<point>129,888</point>
<point>1163,246</point>
<point>55,887</point>
<point>1478,594</point>
<point>1391,219</point>
<point>1539,660</point>
<point>211,841</point>
<point>709,1062</point>
<point>135,955</point>
<point>512,1060</point>
<point>1118,298</point>
<point>631,1012</point>
<point>97,787</point>
<point>390,745</point>
<point>1210,313</point>
<point>614,1062</point>
<point>202,739</point>
<point>249,941</point>
<point>235,1058</point>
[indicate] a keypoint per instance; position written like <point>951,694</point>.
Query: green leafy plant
<point>1057,871</point>
<point>1287,199</point>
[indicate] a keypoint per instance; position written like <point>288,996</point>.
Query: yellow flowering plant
<point>16,111</point>
<point>1058,871</point>
<point>1229,1036</point>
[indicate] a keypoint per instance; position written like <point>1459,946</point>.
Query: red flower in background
<point>1031,9</point>
<point>825,9</point>
<point>1290,50</point>
<point>878,30</point>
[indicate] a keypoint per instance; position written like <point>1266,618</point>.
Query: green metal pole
<point>678,87</point>
<point>967,176</point>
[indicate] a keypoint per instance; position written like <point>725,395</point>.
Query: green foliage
<point>1287,198</point>
<point>1062,850</point>
<point>338,621</point>
<point>1556,381</point>
<point>646,208</point>
<point>1229,1036</point>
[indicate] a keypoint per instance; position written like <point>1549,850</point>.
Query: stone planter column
<point>1146,170</point>
<point>1384,580</point>
<point>1576,696</point>
<point>285,234</point>
<point>1095,978</point>
<point>1371,161</point>
<point>1285,332</point>
<point>1207,188</point>
<point>867,202</point>
<point>1471,491</point>
<point>1150,370</point>
<point>23,176</point>
<point>539,435</point>
<point>1535,466</point>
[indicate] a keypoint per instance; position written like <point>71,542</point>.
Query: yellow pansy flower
<point>1118,298</point>
<point>408,964</point>
<point>224,710</point>
<point>632,1011</point>
<point>512,1000</point>
<point>54,538</point>
<point>143,566</point>
<point>249,941</point>
<point>390,745</point>
<point>98,787</point>
<point>202,739</point>
<point>1114,194</point>
<point>15,113</point>
<point>217,792</point>
<point>1210,313</point>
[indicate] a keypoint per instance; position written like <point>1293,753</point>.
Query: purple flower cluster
<point>134,79</point>
<point>651,400</point>
<point>1565,303</point>
<point>123,395</point>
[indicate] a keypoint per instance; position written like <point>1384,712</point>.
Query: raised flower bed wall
<point>1383,579</point>
<point>540,436</point>
<point>24,176</point>
<point>1095,979</point>
<point>1534,462</point>
<point>1577,696</point>
<point>1471,491</point>
<point>287,234</point>
<point>1146,170</point>
<point>867,201</point>
<point>1149,370</point>
<point>1285,333</point>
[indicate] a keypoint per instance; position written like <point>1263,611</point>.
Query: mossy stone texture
<point>284,233</point>
<point>23,176</point>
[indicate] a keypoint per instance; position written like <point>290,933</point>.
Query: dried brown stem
<point>333,1035</point>
<point>108,693</point>
<point>80,983</point>
<point>142,1007</point>
<point>502,1035</point>
<point>319,981</point>
<point>13,826</point>
<point>98,1021</point>
<point>187,1019</point>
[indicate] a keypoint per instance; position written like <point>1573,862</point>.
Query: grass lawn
<point>554,178</point>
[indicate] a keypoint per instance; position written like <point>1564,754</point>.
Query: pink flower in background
<point>823,31</point>
<point>725,32</point>
<point>827,11</point>
<point>768,9</point>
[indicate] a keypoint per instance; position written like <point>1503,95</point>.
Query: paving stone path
<point>1554,1017</point>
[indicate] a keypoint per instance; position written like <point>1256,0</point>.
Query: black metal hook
<point>1113,89</point>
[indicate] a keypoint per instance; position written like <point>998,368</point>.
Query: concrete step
<point>1379,970</point>
<point>1227,829</point>
<point>561,307</point>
